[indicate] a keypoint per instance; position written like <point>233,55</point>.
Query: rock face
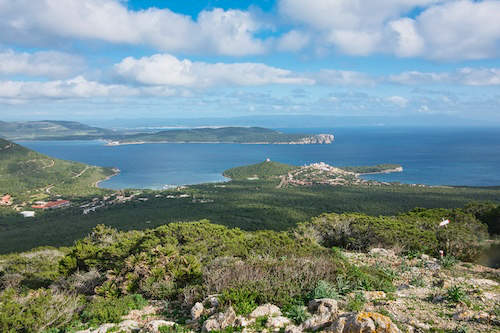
<point>363,322</point>
<point>316,139</point>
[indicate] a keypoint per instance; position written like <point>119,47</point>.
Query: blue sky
<point>104,59</point>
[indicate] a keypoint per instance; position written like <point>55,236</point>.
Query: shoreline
<point>112,144</point>
<point>398,169</point>
<point>116,173</point>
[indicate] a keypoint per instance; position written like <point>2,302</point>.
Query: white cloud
<point>445,29</point>
<point>293,41</point>
<point>45,21</point>
<point>77,87</point>
<point>398,100</point>
<point>463,76</point>
<point>408,41</point>
<point>462,29</point>
<point>341,77</point>
<point>165,69</point>
<point>45,64</point>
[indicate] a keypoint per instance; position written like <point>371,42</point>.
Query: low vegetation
<point>105,275</point>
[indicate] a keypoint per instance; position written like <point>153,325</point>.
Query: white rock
<point>197,311</point>
<point>266,310</point>
<point>153,326</point>
<point>277,322</point>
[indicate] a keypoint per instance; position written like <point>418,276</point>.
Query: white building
<point>28,214</point>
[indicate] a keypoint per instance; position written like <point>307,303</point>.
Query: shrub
<point>110,310</point>
<point>448,261</point>
<point>456,294</point>
<point>324,289</point>
<point>242,300</point>
<point>297,313</point>
<point>36,311</point>
<point>356,303</point>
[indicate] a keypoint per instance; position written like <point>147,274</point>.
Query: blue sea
<point>433,156</point>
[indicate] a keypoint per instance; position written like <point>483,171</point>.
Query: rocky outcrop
<point>219,321</point>
<point>363,322</point>
<point>266,310</point>
<point>315,139</point>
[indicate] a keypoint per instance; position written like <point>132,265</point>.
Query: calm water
<point>429,156</point>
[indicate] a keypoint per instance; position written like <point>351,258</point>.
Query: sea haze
<point>433,156</point>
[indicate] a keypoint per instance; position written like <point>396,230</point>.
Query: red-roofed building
<point>6,200</point>
<point>53,204</point>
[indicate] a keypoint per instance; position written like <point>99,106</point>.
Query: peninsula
<point>243,135</point>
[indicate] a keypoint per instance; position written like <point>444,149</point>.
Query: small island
<point>242,135</point>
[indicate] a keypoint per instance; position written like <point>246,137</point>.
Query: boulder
<point>266,310</point>
<point>220,321</point>
<point>382,252</point>
<point>129,326</point>
<point>373,295</point>
<point>153,326</point>
<point>363,322</point>
<point>103,328</point>
<point>276,323</point>
<point>197,311</point>
<point>323,306</point>
<point>243,322</point>
<point>293,329</point>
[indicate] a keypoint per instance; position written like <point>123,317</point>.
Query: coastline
<point>111,144</point>
<point>398,169</point>
<point>116,172</point>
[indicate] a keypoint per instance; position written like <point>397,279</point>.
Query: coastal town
<point>324,174</point>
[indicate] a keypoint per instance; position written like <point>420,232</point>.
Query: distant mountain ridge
<point>50,130</point>
<point>71,130</point>
<point>249,135</point>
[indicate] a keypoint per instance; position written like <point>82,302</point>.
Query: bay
<point>433,156</point>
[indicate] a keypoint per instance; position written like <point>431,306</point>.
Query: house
<point>28,213</point>
<point>6,200</point>
<point>53,204</point>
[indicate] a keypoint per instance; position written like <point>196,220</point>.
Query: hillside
<point>50,130</point>
<point>264,170</point>
<point>225,135</point>
<point>377,274</point>
<point>26,174</point>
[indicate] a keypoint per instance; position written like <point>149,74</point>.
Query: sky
<point>108,59</point>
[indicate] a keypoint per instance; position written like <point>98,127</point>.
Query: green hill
<point>262,170</point>
<point>27,174</point>
<point>227,135</point>
<point>50,130</point>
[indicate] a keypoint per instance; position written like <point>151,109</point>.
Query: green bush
<point>243,300</point>
<point>297,313</point>
<point>110,310</point>
<point>356,303</point>
<point>36,311</point>
<point>456,294</point>
<point>324,289</point>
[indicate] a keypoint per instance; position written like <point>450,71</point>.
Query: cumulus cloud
<point>77,87</point>
<point>464,76</point>
<point>342,77</point>
<point>293,41</point>
<point>445,29</point>
<point>398,100</point>
<point>217,31</point>
<point>45,64</point>
<point>165,69</point>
